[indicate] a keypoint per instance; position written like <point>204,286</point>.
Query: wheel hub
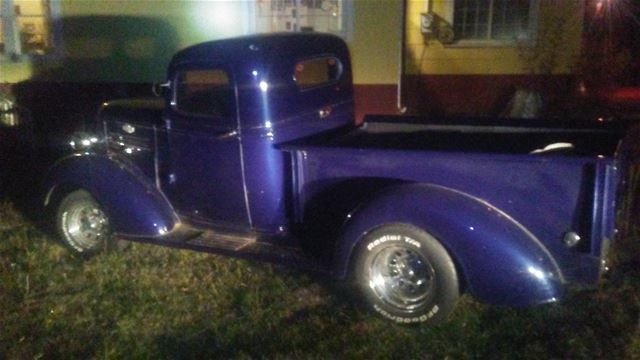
<point>402,278</point>
<point>86,225</point>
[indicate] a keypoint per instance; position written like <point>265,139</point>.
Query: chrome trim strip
<point>238,135</point>
<point>313,114</point>
<point>380,127</point>
<point>156,159</point>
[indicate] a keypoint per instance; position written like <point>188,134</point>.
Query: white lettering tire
<point>406,275</point>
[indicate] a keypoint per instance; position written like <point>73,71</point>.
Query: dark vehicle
<point>16,143</point>
<point>253,152</point>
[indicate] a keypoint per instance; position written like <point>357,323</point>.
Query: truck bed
<point>548,192</point>
<point>461,135</point>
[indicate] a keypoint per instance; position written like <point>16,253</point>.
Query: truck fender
<point>501,262</point>
<point>136,208</point>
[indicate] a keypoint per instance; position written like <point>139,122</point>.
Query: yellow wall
<point>13,72</point>
<point>430,57</point>
<point>375,49</point>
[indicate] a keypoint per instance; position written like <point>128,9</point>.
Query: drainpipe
<point>401,68</point>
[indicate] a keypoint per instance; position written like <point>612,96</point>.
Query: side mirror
<point>159,89</point>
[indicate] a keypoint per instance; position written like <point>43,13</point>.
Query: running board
<point>246,246</point>
<point>211,239</point>
<point>240,245</point>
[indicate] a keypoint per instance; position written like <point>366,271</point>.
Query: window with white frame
<point>494,20</point>
<point>26,27</point>
<point>329,16</point>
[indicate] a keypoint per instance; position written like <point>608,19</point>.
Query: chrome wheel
<point>402,278</point>
<point>406,275</point>
<point>83,224</point>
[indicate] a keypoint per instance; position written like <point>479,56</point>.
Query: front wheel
<point>82,224</point>
<point>406,275</point>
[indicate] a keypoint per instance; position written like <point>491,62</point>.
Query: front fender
<point>135,207</point>
<point>502,262</point>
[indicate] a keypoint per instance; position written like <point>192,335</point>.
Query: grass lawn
<point>149,302</point>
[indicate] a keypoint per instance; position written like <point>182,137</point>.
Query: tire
<point>406,275</point>
<point>82,224</point>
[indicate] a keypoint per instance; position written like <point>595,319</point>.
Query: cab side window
<point>204,92</point>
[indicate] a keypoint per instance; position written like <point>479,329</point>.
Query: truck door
<point>203,175</point>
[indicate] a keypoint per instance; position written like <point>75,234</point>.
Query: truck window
<point>317,72</point>
<point>204,92</point>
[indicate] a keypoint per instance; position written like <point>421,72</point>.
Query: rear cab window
<point>317,72</point>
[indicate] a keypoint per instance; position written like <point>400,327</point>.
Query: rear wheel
<point>406,275</point>
<point>82,224</point>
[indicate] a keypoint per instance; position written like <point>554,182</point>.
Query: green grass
<point>150,301</point>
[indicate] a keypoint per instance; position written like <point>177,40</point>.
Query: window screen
<point>204,92</point>
<point>317,72</point>
<point>330,16</point>
<point>492,19</point>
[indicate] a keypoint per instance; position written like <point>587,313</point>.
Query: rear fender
<point>501,261</point>
<point>135,206</point>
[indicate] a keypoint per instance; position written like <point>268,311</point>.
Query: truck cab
<point>210,145</point>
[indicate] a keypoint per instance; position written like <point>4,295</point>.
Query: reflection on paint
<point>264,86</point>
<point>536,272</point>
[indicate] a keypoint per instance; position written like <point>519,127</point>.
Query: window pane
<point>305,15</point>
<point>204,92</point>
<point>317,72</point>
<point>35,36</point>
<point>491,19</point>
<point>471,18</point>
<point>510,19</point>
<point>34,26</point>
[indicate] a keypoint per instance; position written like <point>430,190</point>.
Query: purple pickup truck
<point>252,151</point>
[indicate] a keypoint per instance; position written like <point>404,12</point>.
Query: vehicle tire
<point>406,275</point>
<point>82,224</point>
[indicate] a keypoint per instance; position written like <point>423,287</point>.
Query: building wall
<point>123,42</point>
<point>127,41</point>
<point>375,52</point>
<point>430,56</point>
<point>467,78</point>
<point>375,44</point>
